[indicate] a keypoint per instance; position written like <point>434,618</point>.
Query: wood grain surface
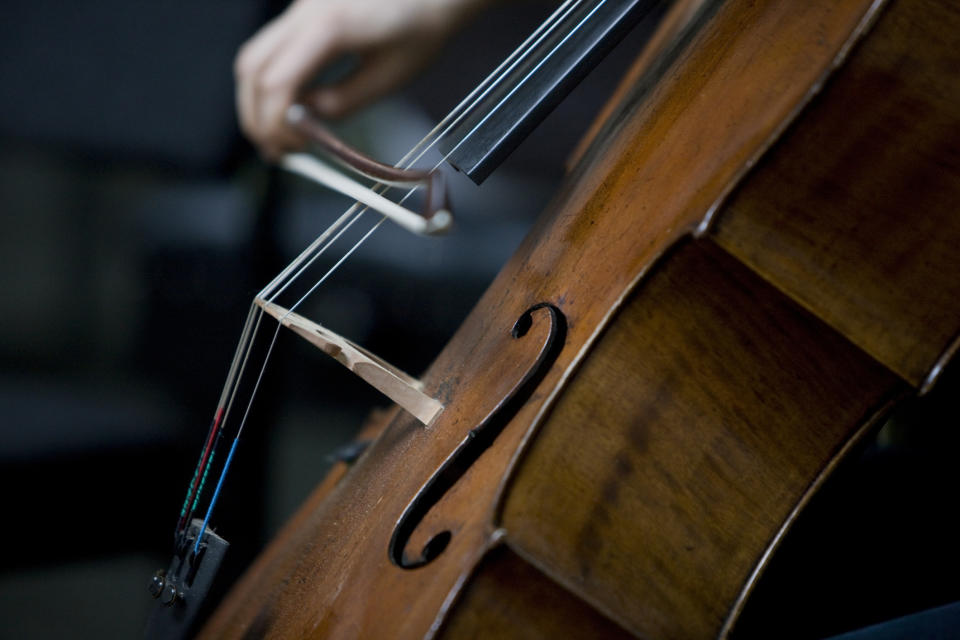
<point>854,213</point>
<point>700,420</point>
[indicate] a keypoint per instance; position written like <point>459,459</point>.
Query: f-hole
<point>476,442</point>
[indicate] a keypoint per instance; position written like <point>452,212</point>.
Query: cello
<point>751,263</point>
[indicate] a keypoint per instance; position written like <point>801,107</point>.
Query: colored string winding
<point>319,247</point>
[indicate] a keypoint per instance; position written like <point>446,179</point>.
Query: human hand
<point>276,66</point>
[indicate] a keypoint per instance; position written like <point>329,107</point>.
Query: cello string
<point>256,385</point>
<point>318,244</point>
<point>243,421</point>
<point>535,39</point>
<point>526,77</point>
<point>215,424</point>
<point>458,114</point>
<point>274,288</point>
<point>335,266</point>
<point>233,445</point>
<point>273,296</point>
<point>231,385</point>
<point>490,82</point>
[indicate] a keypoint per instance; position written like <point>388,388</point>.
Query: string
<point>526,77</point>
<point>263,368</point>
<point>307,257</point>
<point>206,454</point>
<point>274,287</point>
<point>535,38</point>
<point>233,377</point>
<point>459,112</point>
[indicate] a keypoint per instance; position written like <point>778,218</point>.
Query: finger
<point>258,49</point>
<point>245,106</point>
<point>280,82</point>
<point>279,138</point>
<point>249,61</point>
<point>380,72</point>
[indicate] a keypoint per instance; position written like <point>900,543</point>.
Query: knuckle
<point>270,82</point>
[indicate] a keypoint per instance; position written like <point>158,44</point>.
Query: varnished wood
<point>854,213</point>
<point>727,403</point>
<point>682,18</point>
<point>715,402</point>
<point>505,589</point>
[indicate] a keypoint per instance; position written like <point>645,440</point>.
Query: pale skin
<point>277,66</point>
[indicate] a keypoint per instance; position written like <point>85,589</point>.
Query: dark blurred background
<point>137,226</point>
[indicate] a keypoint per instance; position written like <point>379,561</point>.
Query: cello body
<point>753,260</point>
